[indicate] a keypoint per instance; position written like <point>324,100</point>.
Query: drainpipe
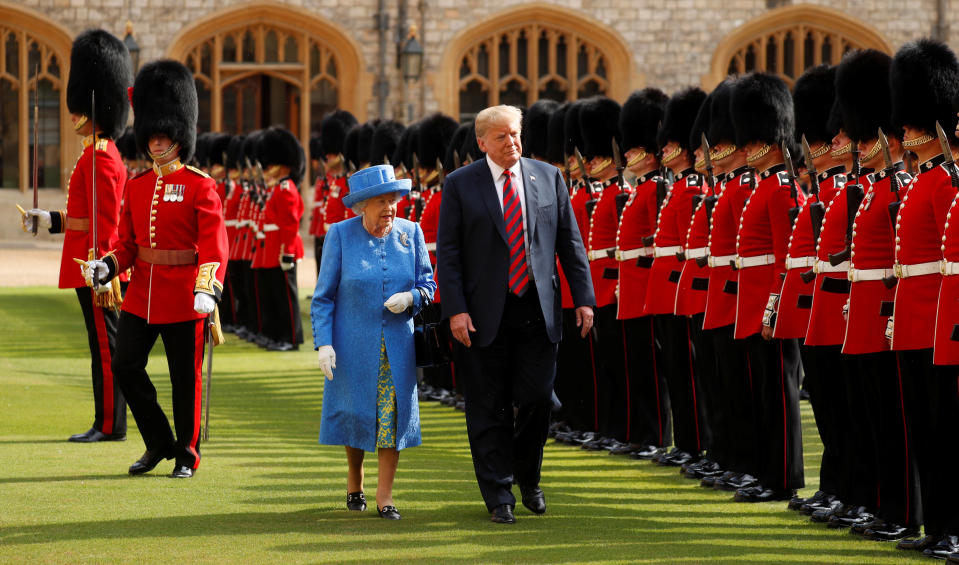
<point>381,88</point>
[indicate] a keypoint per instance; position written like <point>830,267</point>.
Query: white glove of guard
<point>769,314</point>
<point>42,216</point>
<point>845,310</point>
<point>399,302</point>
<point>890,324</point>
<point>99,267</point>
<point>203,303</point>
<point>327,360</point>
<point>287,262</point>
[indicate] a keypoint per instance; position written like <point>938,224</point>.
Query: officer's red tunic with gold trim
<point>723,280</point>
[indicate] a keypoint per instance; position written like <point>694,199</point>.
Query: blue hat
<point>374,181</point>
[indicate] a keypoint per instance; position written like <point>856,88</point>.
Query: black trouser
<point>931,401</point>
<point>612,389</point>
<point>227,304</point>
<point>513,374</point>
<point>268,317</point>
<point>896,467</point>
<point>437,376</point>
<point>732,415</point>
<point>183,342</point>
<point>318,252</point>
<point>650,421</point>
<point>109,407</point>
<point>704,382</point>
<point>861,473</point>
<point>679,366</point>
<point>576,375</point>
<point>774,365</point>
<point>826,384</point>
<point>244,290</point>
<point>280,301</point>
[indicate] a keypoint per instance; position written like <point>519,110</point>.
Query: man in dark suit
<point>503,222</point>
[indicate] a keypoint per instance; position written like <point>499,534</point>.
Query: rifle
<point>586,180</point>
<point>456,159</point>
<point>854,195</point>
<point>440,173</point>
<point>712,198</point>
<point>36,143</point>
<point>890,169</point>
<point>950,162</point>
<point>817,210</point>
<point>569,179</point>
<point>623,197</point>
<point>793,191</point>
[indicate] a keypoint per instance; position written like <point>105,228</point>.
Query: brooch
<point>404,240</point>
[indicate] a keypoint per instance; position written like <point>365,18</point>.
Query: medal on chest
<point>173,192</point>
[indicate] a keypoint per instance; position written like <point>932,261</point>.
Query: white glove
<point>203,303</point>
<point>100,267</point>
<point>845,310</point>
<point>889,327</point>
<point>769,314</point>
<point>42,216</point>
<point>287,262</point>
<point>327,360</point>
<point>399,302</point>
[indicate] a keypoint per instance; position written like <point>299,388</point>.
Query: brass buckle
<point>897,270</point>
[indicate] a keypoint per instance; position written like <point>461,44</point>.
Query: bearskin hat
<point>100,62</point>
<point>164,101</point>
<point>404,147</point>
<point>365,142</point>
<point>471,147</point>
<point>813,97</point>
<point>351,146</point>
<point>924,80</point>
<point>333,130</point>
<point>599,124</point>
<point>535,127</point>
<point>234,152</point>
<point>640,118</point>
<point>383,145</point>
<point>127,145</point>
<point>678,117</point>
<point>435,133</point>
<point>762,110</point>
<point>218,148</point>
<point>459,136</point>
<point>202,153</point>
<point>866,72</point>
<point>556,147</point>
<point>721,128</point>
<point>315,151</point>
<point>251,148</point>
<point>701,123</point>
<point>572,133</point>
<point>280,147</point>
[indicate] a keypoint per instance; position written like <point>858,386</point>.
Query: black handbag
<point>432,342</point>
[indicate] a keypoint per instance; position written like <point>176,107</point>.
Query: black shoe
<point>534,499</point>
<point>705,469</point>
<point>282,346</point>
<point>859,528</point>
<point>803,394</point>
<point>646,452</point>
<point>676,458</point>
<point>891,532</point>
<point>624,449</point>
<point>739,481</point>
<point>852,515</point>
<point>819,500</point>
<point>943,548</point>
<point>93,435</point>
<point>797,502</point>
<point>182,472</point>
<point>149,460</point>
<point>830,503</point>
<point>953,559</point>
<point>822,515</point>
<point>356,501</point>
<point>389,513</point>
<point>916,544</point>
<point>503,514</point>
<point>761,494</point>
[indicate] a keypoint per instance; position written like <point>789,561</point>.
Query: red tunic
<point>947,311</point>
<point>111,178</point>
<point>671,229</point>
<point>792,315</point>
<point>257,255</point>
<point>429,223</point>
<point>724,225</point>
<point>694,280</point>
<point>870,301</point>
<point>335,211</point>
<point>179,210</point>
<point>239,244</point>
<point>320,190</point>
<point>281,225</point>
<point>637,221</point>
<point>231,209</point>
<point>763,231</point>
<point>603,224</point>
<point>919,229</point>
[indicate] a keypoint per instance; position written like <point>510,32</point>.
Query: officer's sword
<point>209,374</point>
<point>36,144</point>
<point>93,188</point>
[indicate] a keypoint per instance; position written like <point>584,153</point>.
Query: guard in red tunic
<point>99,63</point>
<point>672,226</point>
<point>225,188</point>
<point>731,415</point>
<point>232,288</point>
<point>333,130</point>
<point>925,83</point>
<point>650,422</point>
<point>878,420</point>
<point>762,112</point>
<point>241,248</point>
<point>172,232</point>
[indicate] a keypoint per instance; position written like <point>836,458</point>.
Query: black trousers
<point>279,299</point>
<point>227,304</point>
<point>776,377</point>
<point>704,384</point>
<point>612,388</point>
<point>650,420</point>
<point>825,381</point>
<point>732,414</point>
<point>244,291</point>
<point>861,472</point>
<point>931,401</point>
<point>318,252</point>
<point>267,314</point>
<point>109,407</point>
<point>440,376</point>
<point>678,365</point>
<point>576,376</point>
<point>183,342</point>
<point>509,387</point>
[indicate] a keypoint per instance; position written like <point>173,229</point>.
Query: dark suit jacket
<point>472,255</point>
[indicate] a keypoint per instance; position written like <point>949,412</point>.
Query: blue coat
<point>358,273</point>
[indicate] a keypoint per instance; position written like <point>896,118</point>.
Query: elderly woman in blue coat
<point>374,276</point>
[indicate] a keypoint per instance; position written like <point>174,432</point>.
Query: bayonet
<point>810,168</point>
<point>618,163</point>
<point>440,172</point>
<point>884,146</point>
<point>581,163</point>
<point>710,179</point>
<point>793,191</point>
<point>854,196</point>
<point>950,162</point>
<point>456,159</point>
<point>817,210</point>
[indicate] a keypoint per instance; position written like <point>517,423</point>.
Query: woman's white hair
<point>360,206</point>
<point>493,116</point>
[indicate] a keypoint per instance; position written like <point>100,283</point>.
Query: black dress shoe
<point>503,514</point>
<point>859,528</point>
<point>953,559</point>
<point>851,515</point>
<point>890,532</point>
<point>738,481</point>
<point>822,515</point>
<point>916,544</point>
<point>943,548</point>
<point>818,500</point>
<point>181,472</point>
<point>624,449</point>
<point>93,435</point>
<point>149,460</point>
<point>281,346</point>
<point>676,458</point>
<point>646,452</point>
<point>761,494</point>
<point>797,502</point>
<point>356,501</point>
<point>534,499</point>
<point>389,513</point>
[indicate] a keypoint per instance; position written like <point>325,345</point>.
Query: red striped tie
<point>513,217</point>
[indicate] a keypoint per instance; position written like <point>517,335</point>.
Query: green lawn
<point>266,492</point>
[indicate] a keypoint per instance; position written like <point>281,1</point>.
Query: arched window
<point>33,53</point>
<point>541,52</point>
<point>789,40</point>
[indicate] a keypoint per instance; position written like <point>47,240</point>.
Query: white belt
<point>600,253</point>
<point>271,227</point>
<point>948,268</point>
<point>905,271</point>
<point>800,262</point>
<point>697,252</point>
<point>260,235</point>
<point>720,260</point>
<point>755,261</point>
<point>317,204</point>
<point>856,275</point>
<point>628,254</point>
<point>231,223</point>
<point>664,251</point>
<point>431,246</point>
<point>827,267</point>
